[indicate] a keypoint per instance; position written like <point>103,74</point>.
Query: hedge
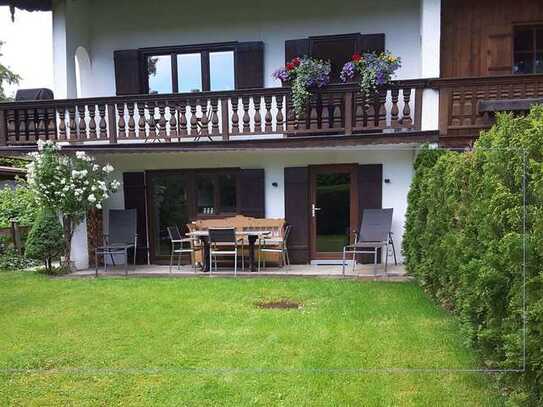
<point>17,204</point>
<point>464,244</point>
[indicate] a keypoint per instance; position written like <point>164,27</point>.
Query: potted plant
<point>374,70</point>
<point>304,74</point>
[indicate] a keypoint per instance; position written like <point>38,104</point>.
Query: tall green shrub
<point>45,240</point>
<point>464,244</point>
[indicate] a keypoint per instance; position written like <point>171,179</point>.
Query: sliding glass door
<point>169,206</point>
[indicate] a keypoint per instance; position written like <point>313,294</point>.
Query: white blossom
<point>92,198</point>
<point>108,168</point>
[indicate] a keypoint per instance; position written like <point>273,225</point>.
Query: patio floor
<point>395,273</point>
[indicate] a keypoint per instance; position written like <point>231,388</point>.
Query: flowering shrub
<point>69,185</point>
<point>303,74</point>
<point>374,70</point>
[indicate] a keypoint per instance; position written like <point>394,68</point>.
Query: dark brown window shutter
<point>499,50</point>
<point>128,80</point>
<point>371,43</point>
<point>249,65</point>
<point>338,49</point>
<point>251,185</point>
<point>370,195</point>
<point>297,213</point>
<point>134,198</point>
<point>296,48</point>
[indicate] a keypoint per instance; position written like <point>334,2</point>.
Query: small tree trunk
<point>68,225</point>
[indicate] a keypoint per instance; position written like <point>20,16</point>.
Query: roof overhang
<point>28,5</point>
<point>289,143</point>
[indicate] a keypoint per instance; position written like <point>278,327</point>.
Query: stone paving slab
<point>395,273</point>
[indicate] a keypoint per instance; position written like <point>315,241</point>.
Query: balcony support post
<point>444,96</point>
<point>418,108</point>
<point>348,113</point>
<point>224,119</point>
<point>112,123</point>
<point>3,129</point>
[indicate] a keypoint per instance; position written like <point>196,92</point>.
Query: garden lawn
<point>202,341</point>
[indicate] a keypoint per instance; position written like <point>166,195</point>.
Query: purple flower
<point>281,74</point>
<point>347,72</point>
<point>380,78</point>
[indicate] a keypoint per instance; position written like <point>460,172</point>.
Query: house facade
<point>179,97</point>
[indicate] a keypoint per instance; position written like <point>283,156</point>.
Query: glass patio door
<point>333,210</point>
<point>169,206</point>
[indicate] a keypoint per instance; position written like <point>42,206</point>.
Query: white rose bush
<point>69,185</point>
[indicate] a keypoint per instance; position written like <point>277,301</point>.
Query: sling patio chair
<point>374,234</point>
<point>275,245</point>
<point>181,245</point>
<point>121,238</point>
<point>224,242</point>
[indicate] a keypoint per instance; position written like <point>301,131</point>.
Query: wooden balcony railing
<point>464,103</point>
<point>210,116</point>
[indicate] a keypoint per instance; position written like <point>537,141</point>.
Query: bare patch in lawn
<point>283,303</point>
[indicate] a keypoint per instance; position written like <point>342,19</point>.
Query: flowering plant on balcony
<point>374,70</point>
<point>68,185</point>
<point>303,74</point>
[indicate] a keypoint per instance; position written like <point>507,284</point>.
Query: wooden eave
<point>294,143</point>
<point>29,5</point>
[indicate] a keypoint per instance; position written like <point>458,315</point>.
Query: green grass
<point>189,332</point>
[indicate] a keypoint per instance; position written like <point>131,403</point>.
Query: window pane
<point>221,70</point>
<point>159,70</point>
<point>169,208</point>
<point>539,39</point>
<point>227,192</point>
<point>524,39</point>
<point>539,62</point>
<point>206,195</point>
<point>189,72</point>
<point>523,63</point>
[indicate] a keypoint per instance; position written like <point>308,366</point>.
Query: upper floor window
<point>528,49</point>
<point>189,68</point>
<point>191,71</point>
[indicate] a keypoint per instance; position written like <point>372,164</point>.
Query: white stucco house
<point>179,97</point>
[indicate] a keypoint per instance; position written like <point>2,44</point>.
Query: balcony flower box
<point>373,71</point>
<point>304,75</point>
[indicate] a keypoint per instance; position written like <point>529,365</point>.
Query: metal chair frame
<point>282,249</point>
<point>121,247</point>
<point>227,237</point>
<point>177,239</point>
<point>360,244</point>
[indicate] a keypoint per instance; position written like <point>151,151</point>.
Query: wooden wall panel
<point>477,35</point>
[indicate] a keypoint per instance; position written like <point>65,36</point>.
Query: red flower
<point>357,57</point>
<point>290,66</point>
<point>295,61</point>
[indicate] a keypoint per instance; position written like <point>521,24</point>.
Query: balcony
<point>213,117</point>
<point>468,105</point>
